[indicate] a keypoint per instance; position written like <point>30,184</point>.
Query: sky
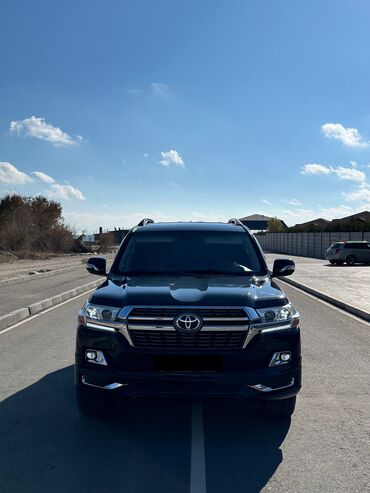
<point>186,110</point>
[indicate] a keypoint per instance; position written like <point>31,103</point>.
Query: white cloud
<point>294,202</point>
<point>348,136</point>
<point>349,173</point>
<point>43,177</point>
<point>341,172</point>
<point>146,155</point>
<point>315,169</point>
<point>171,158</point>
<point>299,215</point>
<point>159,88</point>
<point>38,128</point>
<point>267,202</point>
<point>91,221</point>
<point>135,92</point>
<point>362,194</point>
<point>64,192</point>
<point>11,175</point>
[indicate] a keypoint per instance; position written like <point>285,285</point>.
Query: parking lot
<point>179,445</point>
<point>349,285</point>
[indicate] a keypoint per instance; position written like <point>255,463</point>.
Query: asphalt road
<point>24,293</point>
<point>38,287</point>
<point>178,446</point>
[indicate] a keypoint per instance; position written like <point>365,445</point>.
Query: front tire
<point>333,262</point>
<point>281,409</point>
<point>92,404</point>
<point>350,260</point>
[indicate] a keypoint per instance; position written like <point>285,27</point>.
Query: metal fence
<point>306,244</point>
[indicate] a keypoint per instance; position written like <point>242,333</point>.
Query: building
<point>363,217</point>
<point>258,222</point>
<point>318,224</point>
<point>116,234</point>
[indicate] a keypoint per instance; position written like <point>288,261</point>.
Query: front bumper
<point>132,372</point>
<point>284,382</point>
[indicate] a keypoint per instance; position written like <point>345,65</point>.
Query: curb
<point>340,304</point>
<point>14,280</point>
<point>23,313</point>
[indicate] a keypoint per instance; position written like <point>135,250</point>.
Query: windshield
<point>189,252</point>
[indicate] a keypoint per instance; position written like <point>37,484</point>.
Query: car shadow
<point>46,446</point>
<point>242,450</point>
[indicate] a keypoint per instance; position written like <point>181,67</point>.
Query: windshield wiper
<point>211,271</point>
<point>246,269</point>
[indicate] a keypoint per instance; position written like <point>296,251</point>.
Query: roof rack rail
<point>145,221</point>
<point>235,221</point>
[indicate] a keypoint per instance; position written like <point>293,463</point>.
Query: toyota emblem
<point>188,323</point>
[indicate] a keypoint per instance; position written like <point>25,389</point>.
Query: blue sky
<point>186,110</point>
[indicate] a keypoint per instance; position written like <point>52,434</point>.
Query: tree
<point>105,241</point>
<point>33,224</point>
<point>275,225</point>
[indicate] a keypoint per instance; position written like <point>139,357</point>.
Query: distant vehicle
<point>350,252</point>
<point>189,309</point>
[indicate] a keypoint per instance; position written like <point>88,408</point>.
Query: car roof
<point>351,241</point>
<point>191,226</point>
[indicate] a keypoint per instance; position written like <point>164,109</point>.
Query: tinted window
<point>355,246</point>
<point>336,245</point>
<point>190,252</point>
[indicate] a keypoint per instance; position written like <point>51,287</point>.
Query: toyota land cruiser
<point>188,309</point>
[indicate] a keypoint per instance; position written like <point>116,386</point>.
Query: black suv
<point>188,309</point>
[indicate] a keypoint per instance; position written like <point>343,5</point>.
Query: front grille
<point>201,340</point>
<point>153,327</point>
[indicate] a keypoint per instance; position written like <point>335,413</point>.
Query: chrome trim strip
<point>205,319</point>
<point>225,319</point>
<point>250,312</point>
<point>152,327</point>
<point>263,388</point>
<point>251,333</point>
<point>126,335</point>
<point>251,316</point>
<point>99,327</point>
<point>276,329</point>
<point>151,318</point>
<point>111,386</point>
<point>268,325</point>
<point>207,328</point>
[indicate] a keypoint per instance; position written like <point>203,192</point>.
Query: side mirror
<point>283,267</point>
<point>97,266</point>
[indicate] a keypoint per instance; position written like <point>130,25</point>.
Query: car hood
<point>190,291</point>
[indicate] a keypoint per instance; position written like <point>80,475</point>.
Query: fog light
<point>95,356</point>
<point>285,356</point>
<point>90,354</point>
<point>281,358</point>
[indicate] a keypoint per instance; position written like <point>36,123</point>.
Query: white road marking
<point>198,463</point>
<point>326,303</point>
<point>44,311</point>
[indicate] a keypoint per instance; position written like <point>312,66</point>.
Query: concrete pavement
<point>347,285</point>
<point>45,446</point>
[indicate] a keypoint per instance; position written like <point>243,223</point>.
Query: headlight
<point>286,313</point>
<point>99,316</point>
